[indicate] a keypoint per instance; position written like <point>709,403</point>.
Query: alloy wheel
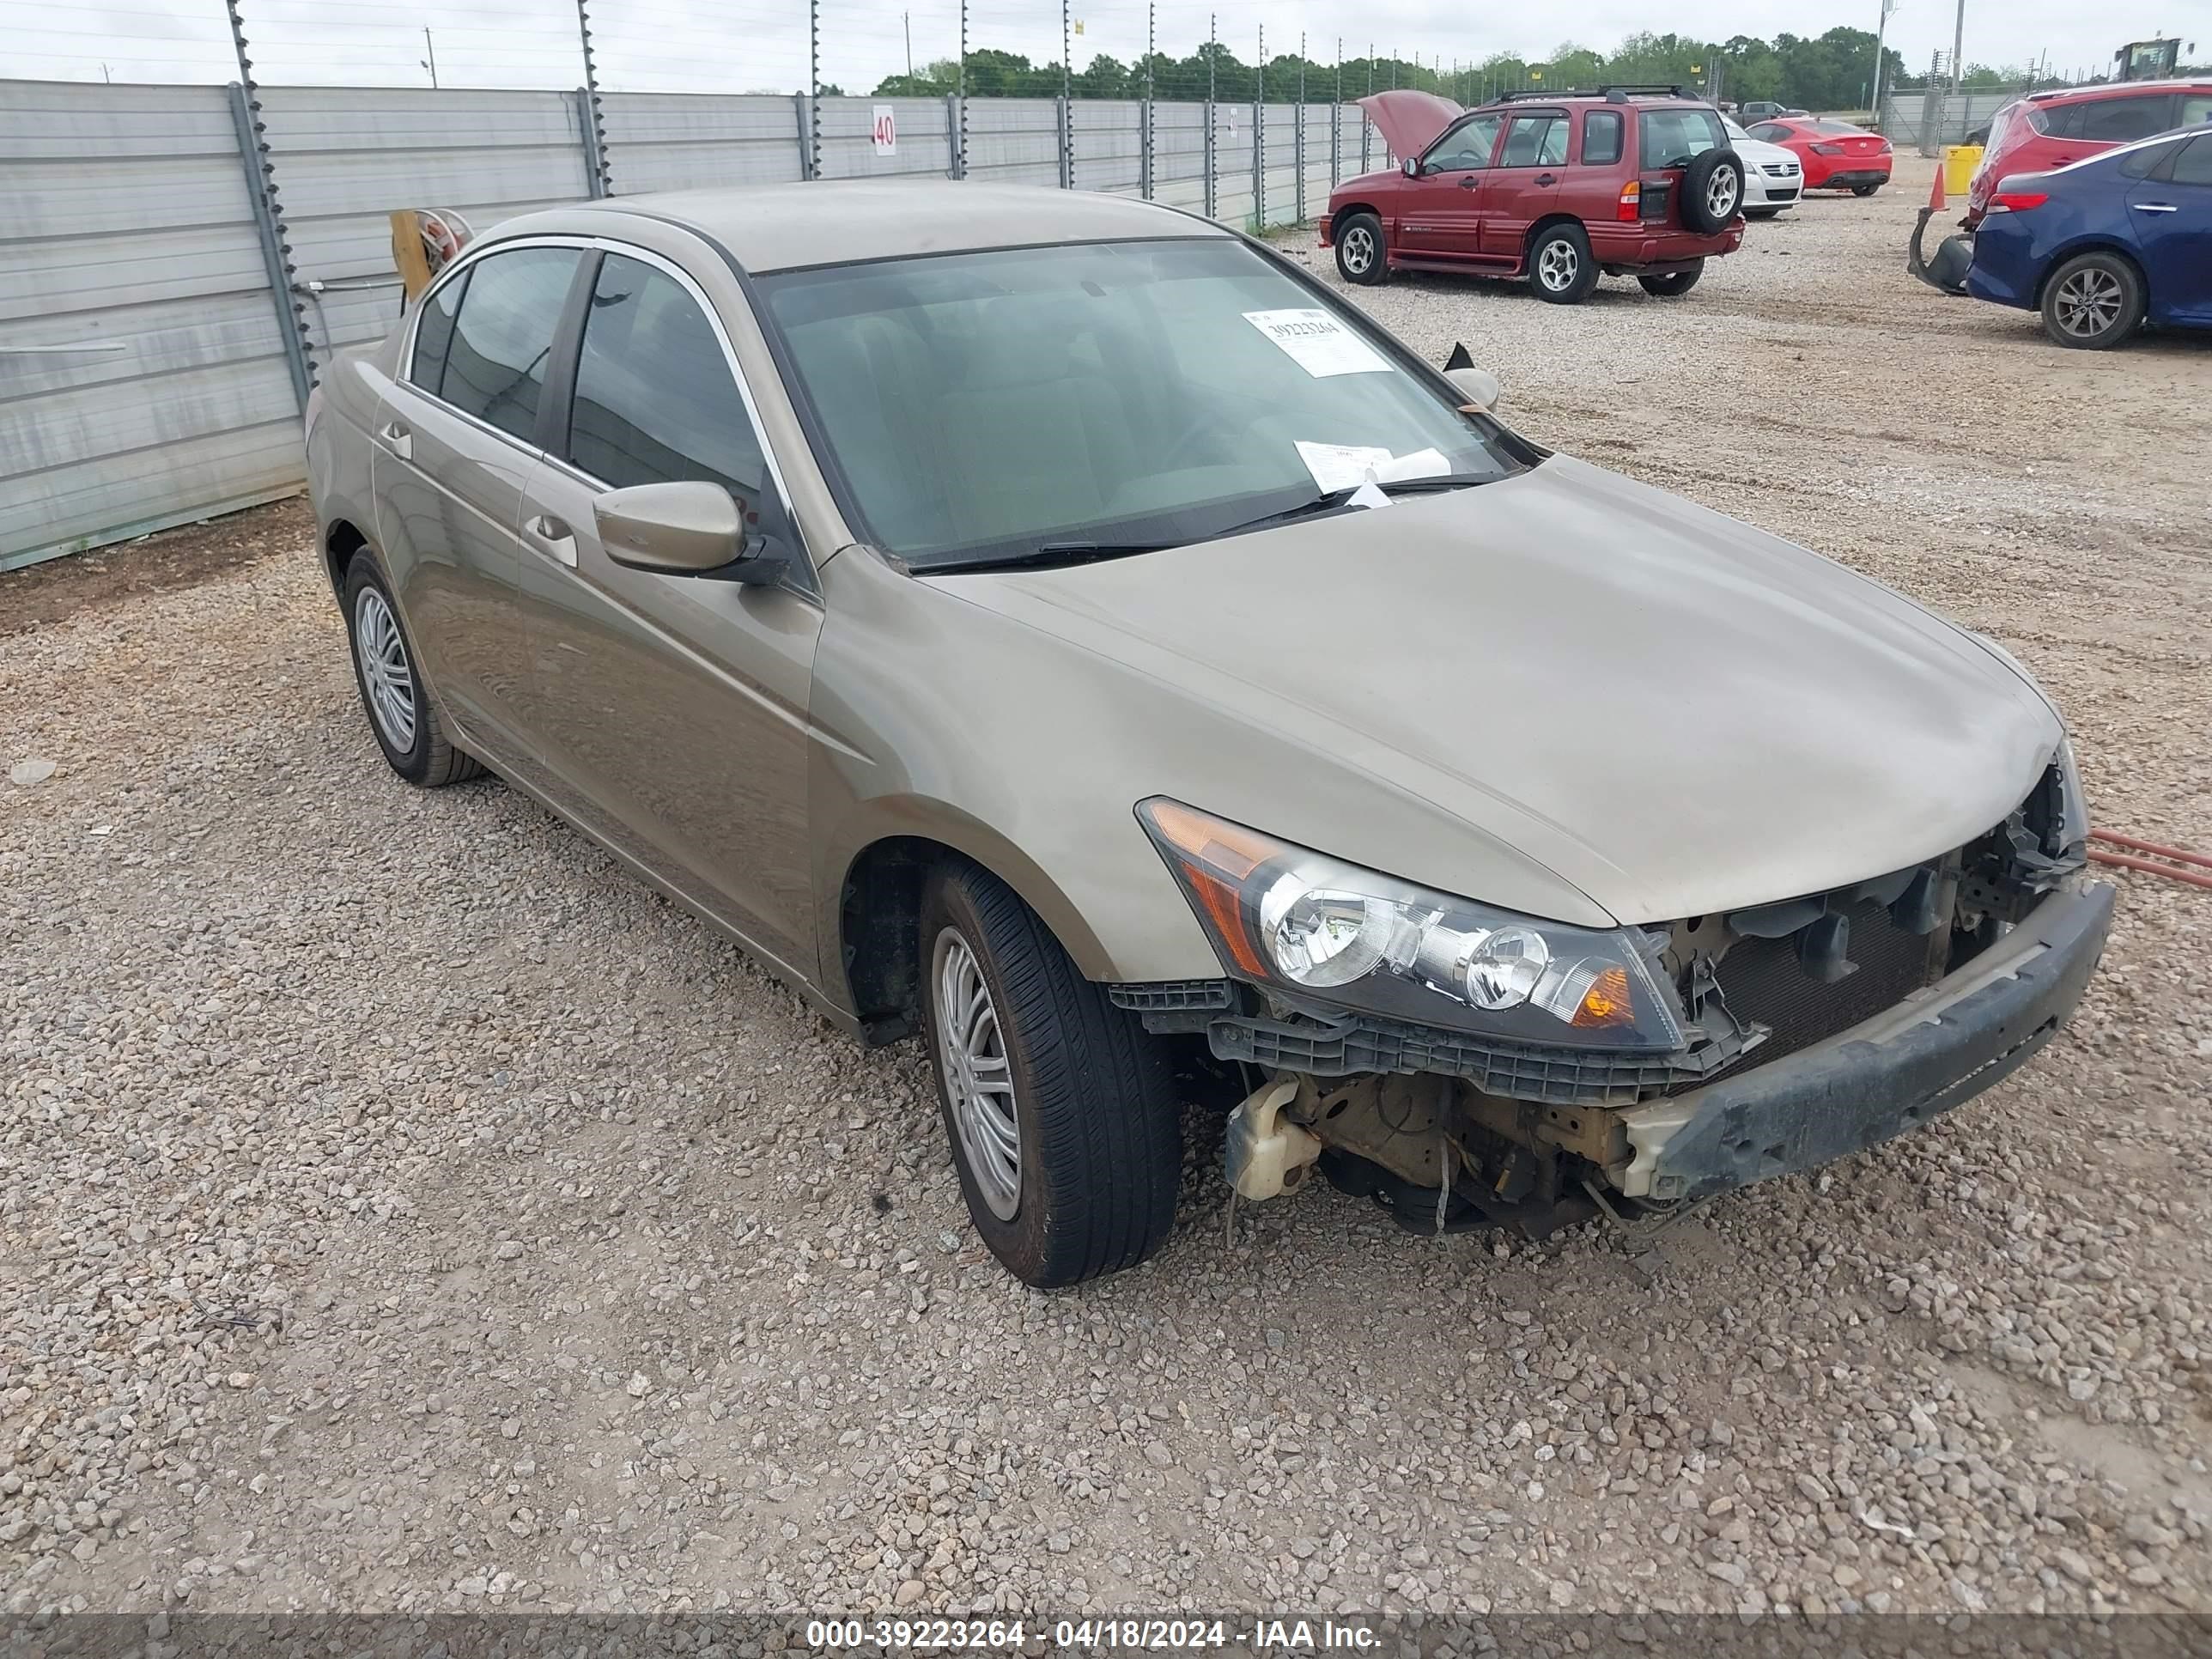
<point>1556,266</point>
<point>978,1081</point>
<point>1721,194</point>
<point>381,651</point>
<point>2088,303</point>
<point>1358,251</point>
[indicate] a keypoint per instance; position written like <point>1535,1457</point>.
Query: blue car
<point>2106,244</point>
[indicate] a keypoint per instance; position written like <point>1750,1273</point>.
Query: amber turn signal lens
<point>1606,1002</point>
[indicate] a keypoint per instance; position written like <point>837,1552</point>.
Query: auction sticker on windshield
<point>1318,344</point>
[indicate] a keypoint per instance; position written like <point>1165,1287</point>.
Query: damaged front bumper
<point>1935,1050</point>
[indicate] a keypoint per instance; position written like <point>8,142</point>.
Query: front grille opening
<point>1763,982</point>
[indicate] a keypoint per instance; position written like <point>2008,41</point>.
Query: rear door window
<point>1672,136</point>
<point>495,368</point>
<point>2123,120</point>
<point>656,402</point>
<point>1601,138</point>
<point>1771,132</point>
<point>1536,140</point>
<point>2194,166</point>
<point>434,333</point>
<point>2196,109</point>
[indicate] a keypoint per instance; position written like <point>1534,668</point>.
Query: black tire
<point>416,747</point>
<point>1712,192</point>
<point>1864,190</point>
<point>1362,257</point>
<point>1099,1137</point>
<point>1668,283</point>
<point>1560,267</point>
<point>2093,301</point>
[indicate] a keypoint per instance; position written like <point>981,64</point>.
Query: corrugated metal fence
<point>146,359</point>
<point>1925,120</point>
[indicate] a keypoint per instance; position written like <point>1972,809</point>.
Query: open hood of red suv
<point>1409,121</point>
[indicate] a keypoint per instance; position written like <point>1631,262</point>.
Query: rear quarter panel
<point>341,423</point>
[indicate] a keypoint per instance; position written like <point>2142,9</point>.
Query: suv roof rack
<point>1619,93</point>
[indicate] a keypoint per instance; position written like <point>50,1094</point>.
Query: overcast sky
<point>757,45</point>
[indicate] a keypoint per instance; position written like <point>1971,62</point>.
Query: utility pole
<point>110,79</point>
<point>429,63</point>
<point>907,18</point>
<point>1957,48</point>
<point>1881,33</point>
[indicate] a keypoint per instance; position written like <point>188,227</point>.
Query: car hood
<point>1409,121</point>
<point>1671,712</point>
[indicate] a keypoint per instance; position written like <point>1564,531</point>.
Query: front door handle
<point>1547,178</point>
<point>552,529</point>
<point>2153,207</point>
<point>397,438</point>
<point>1469,182</point>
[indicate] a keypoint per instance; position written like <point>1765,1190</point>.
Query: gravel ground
<point>400,1209</point>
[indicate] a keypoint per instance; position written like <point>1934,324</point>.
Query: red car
<point>1558,188</point>
<point>1836,154</point>
<point>2047,129</point>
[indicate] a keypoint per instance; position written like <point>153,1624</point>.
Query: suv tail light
<point>1630,205</point>
<point>2018,201</point>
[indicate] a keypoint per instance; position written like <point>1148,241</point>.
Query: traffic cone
<point>1935,189</point>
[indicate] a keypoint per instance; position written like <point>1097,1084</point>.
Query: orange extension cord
<point>2192,867</point>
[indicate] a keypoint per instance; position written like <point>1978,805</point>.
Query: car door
<point>1438,215</point>
<point>455,446</point>
<point>2172,219</point>
<point>1525,184</point>
<point>671,711</point>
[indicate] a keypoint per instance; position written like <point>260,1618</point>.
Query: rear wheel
<point>1560,268</point>
<point>2092,302</point>
<point>1061,1106</point>
<point>407,725</point>
<point>1667,283</point>
<point>1359,253</point>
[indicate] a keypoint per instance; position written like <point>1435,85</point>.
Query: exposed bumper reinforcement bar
<point>1895,1073</point>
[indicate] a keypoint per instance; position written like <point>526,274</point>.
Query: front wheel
<point>1360,256</point>
<point>1667,283</point>
<point>1864,190</point>
<point>1560,268</point>
<point>1061,1106</point>
<point>2092,302</point>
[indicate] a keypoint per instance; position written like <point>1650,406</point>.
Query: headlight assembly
<point>1323,931</point>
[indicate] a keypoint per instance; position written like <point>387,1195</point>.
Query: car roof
<point>2119,89</point>
<point>843,222</point>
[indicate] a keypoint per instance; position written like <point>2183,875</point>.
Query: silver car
<point>1055,627</point>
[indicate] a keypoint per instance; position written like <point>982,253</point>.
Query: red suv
<point>2047,129</point>
<point>1558,188</point>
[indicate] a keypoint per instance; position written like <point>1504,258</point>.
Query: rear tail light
<point>1827,150</point>
<point>1631,200</point>
<point>2018,201</point>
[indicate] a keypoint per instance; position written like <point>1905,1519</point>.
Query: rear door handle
<point>2153,207</point>
<point>397,438</point>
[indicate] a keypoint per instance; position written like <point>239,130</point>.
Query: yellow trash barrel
<point>1959,161</point>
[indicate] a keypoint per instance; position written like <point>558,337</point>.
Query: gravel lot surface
<point>399,1208</point>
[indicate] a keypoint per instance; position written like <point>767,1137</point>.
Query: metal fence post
<point>802,104</point>
<point>814,89</point>
<point>1144,111</point>
<point>1260,135</point>
<point>956,135</point>
<point>595,131</point>
<point>595,155</point>
<point>1298,130</point>
<point>260,188</point>
<point>1209,144</point>
<point>1067,149</point>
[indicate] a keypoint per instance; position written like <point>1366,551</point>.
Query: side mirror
<point>687,529</point>
<point>1413,164</point>
<point>1479,384</point>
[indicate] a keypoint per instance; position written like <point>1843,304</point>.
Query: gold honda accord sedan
<point>1058,628</point>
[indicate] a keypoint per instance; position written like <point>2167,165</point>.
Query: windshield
<point>1732,131</point>
<point>1132,393</point>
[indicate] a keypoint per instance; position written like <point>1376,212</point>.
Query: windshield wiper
<point>1058,555</point>
<point>1332,501</point>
